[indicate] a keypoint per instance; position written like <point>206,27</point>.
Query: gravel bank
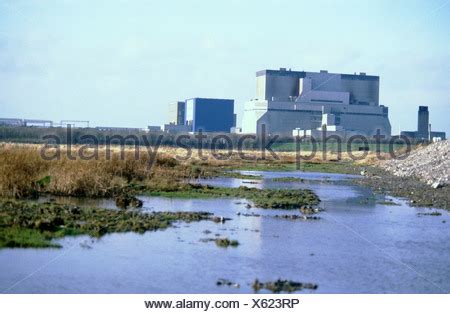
<point>430,164</point>
<point>417,192</point>
<point>422,177</point>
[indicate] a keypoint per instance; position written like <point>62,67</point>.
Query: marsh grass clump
<point>12,237</point>
<point>20,172</point>
<point>29,224</point>
<point>345,167</point>
<point>121,175</point>
<point>287,179</point>
<point>282,286</point>
<point>239,175</point>
<point>225,242</point>
<point>24,173</point>
<point>434,213</point>
<point>388,203</point>
<point>127,198</point>
<point>264,198</point>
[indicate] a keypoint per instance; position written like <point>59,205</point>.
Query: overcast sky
<point>119,63</point>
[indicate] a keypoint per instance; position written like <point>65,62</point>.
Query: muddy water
<point>358,246</point>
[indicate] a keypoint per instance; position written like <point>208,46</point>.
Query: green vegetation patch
<point>326,167</point>
<point>282,286</point>
<point>266,198</point>
<point>329,167</point>
<point>266,167</point>
<point>287,179</point>
<point>238,175</point>
<point>225,242</point>
<point>17,237</point>
<point>29,224</point>
<point>388,203</point>
<point>334,147</point>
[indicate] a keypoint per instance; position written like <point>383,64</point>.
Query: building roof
<point>300,74</point>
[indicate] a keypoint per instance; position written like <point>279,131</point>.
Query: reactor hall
<point>305,103</point>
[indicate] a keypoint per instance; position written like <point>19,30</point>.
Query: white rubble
<point>429,164</point>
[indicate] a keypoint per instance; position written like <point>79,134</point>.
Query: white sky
<point>119,63</point>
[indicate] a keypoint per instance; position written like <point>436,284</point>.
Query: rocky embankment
<point>430,164</point>
<point>422,176</point>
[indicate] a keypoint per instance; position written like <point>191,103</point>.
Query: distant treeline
<point>83,136</point>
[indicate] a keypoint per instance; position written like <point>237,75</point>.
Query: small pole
<point>429,132</point>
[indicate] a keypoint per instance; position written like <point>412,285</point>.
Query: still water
<point>358,246</point>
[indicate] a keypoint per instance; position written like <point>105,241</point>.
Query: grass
<point>225,242</point>
<point>11,237</point>
<point>264,198</point>
<point>334,147</point>
<point>287,179</point>
<point>326,167</point>
<point>388,203</point>
<point>266,167</point>
<point>329,167</point>
<point>24,173</point>
<point>30,224</point>
<point>238,175</point>
<point>282,286</point>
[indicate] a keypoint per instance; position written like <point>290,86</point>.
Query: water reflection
<point>359,246</point>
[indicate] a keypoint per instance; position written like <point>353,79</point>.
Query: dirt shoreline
<point>418,193</point>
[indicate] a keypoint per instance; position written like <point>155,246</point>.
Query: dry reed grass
<point>24,173</point>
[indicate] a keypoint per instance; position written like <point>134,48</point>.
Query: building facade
<point>296,100</point>
<point>210,115</point>
<point>177,112</point>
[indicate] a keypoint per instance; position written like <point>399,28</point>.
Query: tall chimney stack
<point>423,123</point>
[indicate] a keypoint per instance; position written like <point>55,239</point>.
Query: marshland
<point>117,224</point>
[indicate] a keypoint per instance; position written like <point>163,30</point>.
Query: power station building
<point>289,101</point>
<point>424,132</point>
<point>205,114</point>
<point>177,112</point>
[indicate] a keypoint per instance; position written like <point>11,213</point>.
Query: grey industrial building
<point>177,113</point>
<point>26,122</point>
<point>290,101</point>
<point>424,132</point>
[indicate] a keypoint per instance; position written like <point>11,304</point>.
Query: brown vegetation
<point>24,173</point>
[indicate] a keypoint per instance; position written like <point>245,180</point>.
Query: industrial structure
<point>11,122</point>
<point>26,122</point>
<point>205,114</point>
<point>120,129</point>
<point>74,123</point>
<point>289,102</point>
<point>43,123</point>
<point>424,132</point>
<point>177,113</point>
<point>154,128</point>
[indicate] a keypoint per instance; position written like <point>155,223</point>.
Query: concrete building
<point>175,128</point>
<point>74,123</point>
<point>154,128</point>
<point>177,113</point>
<point>11,122</point>
<point>122,129</point>
<point>288,100</point>
<point>424,132</point>
<point>210,115</point>
<point>37,123</point>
